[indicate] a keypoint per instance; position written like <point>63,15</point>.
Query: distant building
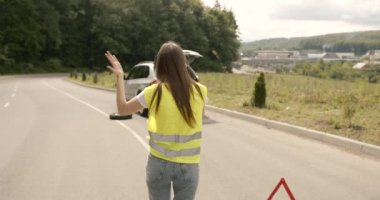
<point>304,53</point>
<point>331,56</point>
<point>375,53</point>
<point>315,55</point>
<point>273,55</point>
<point>346,55</point>
<point>246,60</point>
<point>361,65</point>
<point>373,56</point>
<point>277,60</point>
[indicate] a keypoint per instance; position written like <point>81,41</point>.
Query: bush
<point>349,104</point>
<point>374,79</point>
<point>335,70</point>
<point>245,104</point>
<point>29,68</point>
<point>206,64</point>
<point>373,74</point>
<point>53,64</point>
<point>95,78</point>
<point>259,94</point>
<point>75,74</point>
<point>6,64</point>
<point>84,77</point>
<point>335,123</point>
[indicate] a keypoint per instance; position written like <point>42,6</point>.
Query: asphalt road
<point>56,142</point>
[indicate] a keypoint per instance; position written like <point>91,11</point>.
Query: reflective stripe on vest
<point>173,153</point>
<point>174,138</point>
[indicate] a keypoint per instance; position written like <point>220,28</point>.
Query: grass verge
<point>304,101</point>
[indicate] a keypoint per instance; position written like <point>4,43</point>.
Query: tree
<point>48,18</point>
<point>20,30</point>
<point>221,30</point>
<point>76,33</point>
<point>217,5</point>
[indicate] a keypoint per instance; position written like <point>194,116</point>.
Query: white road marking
<point>13,95</point>
<point>140,139</point>
<point>15,89</point>
<point>6,104</point>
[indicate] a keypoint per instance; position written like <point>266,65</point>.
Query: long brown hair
<point>170,66</point>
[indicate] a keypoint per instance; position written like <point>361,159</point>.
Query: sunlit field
<point>350,109</point>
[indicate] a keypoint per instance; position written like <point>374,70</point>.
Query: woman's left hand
<point>115,67</point>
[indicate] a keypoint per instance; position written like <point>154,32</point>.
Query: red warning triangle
<point>282,182</point>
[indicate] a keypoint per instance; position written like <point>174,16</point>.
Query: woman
<point>176,104</point>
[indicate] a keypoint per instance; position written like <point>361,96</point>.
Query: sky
<point>262,19</point>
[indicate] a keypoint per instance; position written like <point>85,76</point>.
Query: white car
<point>143,75</point>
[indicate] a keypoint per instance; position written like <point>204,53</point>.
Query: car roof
<point>149,63</point>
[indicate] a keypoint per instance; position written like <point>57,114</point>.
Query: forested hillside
<point>358,42</point>
<point>43,35</point>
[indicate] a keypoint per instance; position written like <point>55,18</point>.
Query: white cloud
<point>355,12</point>
<point>259,19</point>
<point>308,10</point>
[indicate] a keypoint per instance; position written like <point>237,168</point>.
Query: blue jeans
<point>161,174</point>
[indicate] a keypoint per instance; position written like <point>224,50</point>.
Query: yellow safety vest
<point>171,138</point>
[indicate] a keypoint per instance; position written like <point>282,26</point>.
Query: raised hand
<point>115,67</point>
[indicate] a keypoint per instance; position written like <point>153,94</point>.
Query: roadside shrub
<point>245,104</point>
<point>84,77</point>
<point>273,106</point>
<point>73,74</point>
<point>335,123</point>
<point>349,105</point>
<point>259,94</point>
<point>95,78</point>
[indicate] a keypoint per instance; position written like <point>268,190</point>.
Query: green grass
<point>105,79</point>
<point>304,101</point>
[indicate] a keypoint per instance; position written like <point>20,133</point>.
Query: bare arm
<point>123,107</point>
